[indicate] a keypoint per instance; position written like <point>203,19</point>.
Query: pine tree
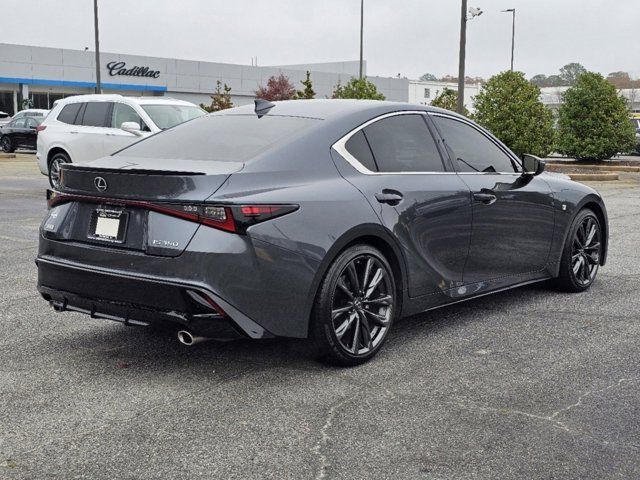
<point>220,100</point>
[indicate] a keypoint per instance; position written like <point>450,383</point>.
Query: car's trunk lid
<point>147,179</point>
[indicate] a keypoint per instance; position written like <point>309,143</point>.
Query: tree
<point>278,88</point>
<point>220,100</point>
<point>539,80</point>
<point>308,92</point>
<point>620,79</point>
<point>571,72</point>
<point>359,89</point>
<point>555,81</point>
<point>428,77</point>
<point>593,120</point>
<point>510,107</point>
<point>448,99</point>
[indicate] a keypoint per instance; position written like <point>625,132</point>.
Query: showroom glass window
<point>95,114</point>
<point>472,150</point>
<point>403,143</point>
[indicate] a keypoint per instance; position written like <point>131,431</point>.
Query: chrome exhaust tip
<point>187,338</point>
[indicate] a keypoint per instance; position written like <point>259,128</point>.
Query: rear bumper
<point>134,300</point>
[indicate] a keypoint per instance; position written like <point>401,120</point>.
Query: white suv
<point>83,128</point>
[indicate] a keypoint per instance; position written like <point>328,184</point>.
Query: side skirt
<point>452,296</point>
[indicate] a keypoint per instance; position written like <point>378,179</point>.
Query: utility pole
<point>513,32</point>
<point>463,48</point>
<point>361,39</point>
<point>95,23</point>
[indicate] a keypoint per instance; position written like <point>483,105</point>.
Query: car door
<point>513,215</point>
<point>16,131</point>
<point>400,169</point>
<point>87,136</point>
<point>30,133</point>
<point>117,139</point>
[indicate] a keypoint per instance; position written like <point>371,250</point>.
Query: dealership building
<point>44,75</point>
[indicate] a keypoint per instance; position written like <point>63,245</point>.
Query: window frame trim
<point>340,145</point>
<point>512,156</point>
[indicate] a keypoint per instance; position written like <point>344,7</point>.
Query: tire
<point>54,168</point>
<point>581,253</point>
<point>7,145</point>
<point>355,307</point>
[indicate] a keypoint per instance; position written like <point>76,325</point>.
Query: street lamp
<point>473,13</point>
<point>513,32</point>
<point>95,24</point>
<point>361,38</point>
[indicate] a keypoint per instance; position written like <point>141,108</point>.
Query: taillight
<point>231,218</point>
<point>40,128</point>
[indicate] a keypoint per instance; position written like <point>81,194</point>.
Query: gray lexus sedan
<point>319,219</point>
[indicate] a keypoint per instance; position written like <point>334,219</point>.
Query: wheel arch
<point>54,150</point>
<point>371,234</point>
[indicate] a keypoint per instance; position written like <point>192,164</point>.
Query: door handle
<point>390,197</point>
<point>74,131</point>
<point>487,198</point>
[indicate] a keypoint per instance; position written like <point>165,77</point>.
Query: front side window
<point>403,143</point>
<point>69,113</point>
<point>167,116</point>
<point>95,114</point>
<point>33,122</point>
<point>19,123</point>
<point>472,150</point>
<point>124,113</point>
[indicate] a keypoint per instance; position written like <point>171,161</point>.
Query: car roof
<point>327,109</point>
<point>120,98</point>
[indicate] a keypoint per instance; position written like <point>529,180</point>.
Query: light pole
<point>361,38</point>
<point>95,24</point>
<point>473,12</point>
<point>513,32</point>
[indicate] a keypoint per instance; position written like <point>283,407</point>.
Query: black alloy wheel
<point>355,306</point>
<point>581,256</point>
<point>6,145</point>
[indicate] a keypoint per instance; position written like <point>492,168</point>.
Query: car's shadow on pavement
<point>157,351</point>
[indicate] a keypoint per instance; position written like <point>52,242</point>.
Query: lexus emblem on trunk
<point>100,183</point>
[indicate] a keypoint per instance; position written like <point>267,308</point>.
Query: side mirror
<point>131,127</point>
<point>532,165</point>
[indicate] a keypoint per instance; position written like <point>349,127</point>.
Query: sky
<point>407,37</point>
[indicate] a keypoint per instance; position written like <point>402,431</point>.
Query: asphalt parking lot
<point>527,384</point>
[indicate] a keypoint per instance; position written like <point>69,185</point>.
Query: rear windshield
<point>222,138</point>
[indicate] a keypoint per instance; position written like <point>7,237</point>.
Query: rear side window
<point>69,113</point>
<point>403,143</point>
<point>358,146</point>
<point>95,114</point>
<point>222,138</point>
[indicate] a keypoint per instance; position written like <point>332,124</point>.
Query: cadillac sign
<point>120,68</point>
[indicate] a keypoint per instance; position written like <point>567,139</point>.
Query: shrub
<point>510,107</point>
<point>359,89</point>
<point>448,99</point>
<point>593,120</point>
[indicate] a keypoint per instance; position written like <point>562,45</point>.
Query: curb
<point>594,177</point>
<point>608,168</point>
